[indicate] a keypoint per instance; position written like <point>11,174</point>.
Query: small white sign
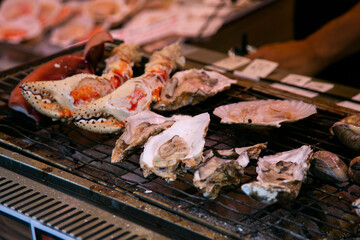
<point>260,68</point>
<point>350,105</point>
<point>231,63</point>
<point>296,79</point>
<point>319,86</point>
<point>295,90</point>
<point>356,97</point>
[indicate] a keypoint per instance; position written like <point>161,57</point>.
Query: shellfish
<point>190,87</point>
<point>354,170</point>
<point>177,149</point>
<point>280,176</point>
<point>264,112</point>
<point>224,168</point>
<point>347,130</point>
<point>134,96</point>
<point>356,205</point>
<point>139,128</point>
<point>60,99</point>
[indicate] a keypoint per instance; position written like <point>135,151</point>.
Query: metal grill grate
<point>320,210</point>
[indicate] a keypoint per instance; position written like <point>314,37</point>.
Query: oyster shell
<point>280,176</point>
<point>139,128</point>
<point>347,130</point>
<point>224,168</point>
<point>329,167</point>
<point>264,112</point>
<point>356,205</point>
<point>190,87</point>
<point>354,170</point>
<point>181,144</point>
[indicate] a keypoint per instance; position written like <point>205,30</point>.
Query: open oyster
<point>139,128</point>
<point>347,131</point>
<point>356,205</point>
<point>264,112</point>
<point>280,176</point>
<point>190,87</point>
<point>180,145</point>
<point>224,168</point>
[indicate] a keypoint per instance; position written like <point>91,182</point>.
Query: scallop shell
<point>264,112</point>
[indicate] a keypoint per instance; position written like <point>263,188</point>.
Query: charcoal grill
<point>60,178</point>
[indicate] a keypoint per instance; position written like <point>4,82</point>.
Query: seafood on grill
<point>108,114</point>
<point>190,87</point>
<point>177,149</point>
<point>223,168</point>
<point>60,99</point>
<point>280,176</point>
<point>264,112</point>
<point>356,205</point>
<point>347,130</point>
<point>58,69</point>
<point>139,128</point>
<point>354,170</point>
<point>329,167</point>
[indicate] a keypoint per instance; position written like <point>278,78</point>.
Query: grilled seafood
<point>57,69</point>
<point>108,114</point>
<point>139,128</point>
<point>191,87</point>
<point>224,168</point>
<point>347,130</point>
<point>354,170</point>
<point>264,112</point>
<point>280,176</point>
<point>60,99</point>
<point>356,205</point>
<point>329,167</point>
<point>177,149</point>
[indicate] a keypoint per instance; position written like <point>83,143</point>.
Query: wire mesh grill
<point>320,210</point>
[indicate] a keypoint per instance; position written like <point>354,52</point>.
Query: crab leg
<point>60,99</point>
<point>108,114</point>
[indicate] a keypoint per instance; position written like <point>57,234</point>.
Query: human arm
<point>337,39</point>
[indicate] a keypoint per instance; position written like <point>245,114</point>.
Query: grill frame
<point>35,147</point>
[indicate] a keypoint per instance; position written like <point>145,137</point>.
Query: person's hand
<point>293,56</point>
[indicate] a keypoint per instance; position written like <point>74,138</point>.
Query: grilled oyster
<point>190,87</point>
<point>224,168</point>
<point>177,149</point>
<point>329,167</point>
<point>354,170</point>
<point>279,176</point>
<point>347,130</point>
<point>138,130</point>
<point>264,112</point>
<point>356,205</point>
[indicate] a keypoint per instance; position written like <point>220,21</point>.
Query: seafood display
<point>190,87</point>
<point>224,168</point>
<point>347,130</point>
<point>356,205</point>
<point>177,149</point>
<point>139,128</point>
<point>58,69</point>
<point>280,176</point>
<point>108,114</point>
<point>329,167</point>
<point>60,99</point>
<point>264,112</point>
<point>354,170</point>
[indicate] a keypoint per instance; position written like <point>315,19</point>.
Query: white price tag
<point>295,90</point>
<point>231,63</point>
<point>295,79</point>
<point>319,86</point>
<point>356,97</point>
<point>260,68</point>
<point>350,105</point>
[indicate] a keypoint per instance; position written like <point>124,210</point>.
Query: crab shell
<point>347,130</point>
<point>181,144</point>
<point>280,176</point>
